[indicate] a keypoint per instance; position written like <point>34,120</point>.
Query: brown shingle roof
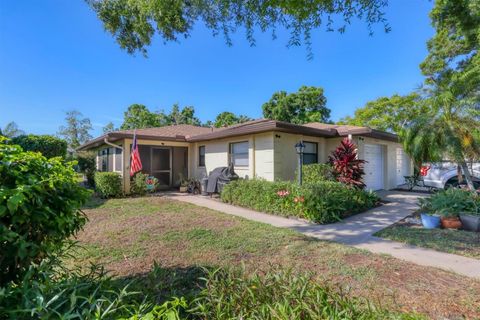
<point>190,133</point>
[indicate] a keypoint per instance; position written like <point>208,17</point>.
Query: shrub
<point>315,172</point>
<point>346,167</point>
<point>48,146</point>
<point>321,202</point>
<point>108,184</point>
<point>86,164</point>
<point>451,202</point>
<point>39,208</point>
<point>139,184</point>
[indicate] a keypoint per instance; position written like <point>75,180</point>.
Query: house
<point>260,148</point>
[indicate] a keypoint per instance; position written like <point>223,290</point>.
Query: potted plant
<point>430,221</point>
<point>449,219</point>
<point>184,185</point>
<point>471,219</point>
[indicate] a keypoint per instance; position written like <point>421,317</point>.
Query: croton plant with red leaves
<point>346,167</point>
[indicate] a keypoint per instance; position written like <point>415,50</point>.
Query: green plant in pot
<point>183,183</point>
<point>449,204</point>
<point>470,218</point>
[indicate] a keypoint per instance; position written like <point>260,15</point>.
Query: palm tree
<point>449,129</point>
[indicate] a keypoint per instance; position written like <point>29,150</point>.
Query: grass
<point>129,236</point>
<point>459,242</point>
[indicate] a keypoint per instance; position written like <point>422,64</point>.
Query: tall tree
<point>226,118</point>
<point>11,130</point>
<point>77,129</point>
<point>451,89</point>
<point>184,116</point>
<point>387,113</point>
<point>308,104</point>
<point>133,23</point>
<point>138,116</point>
<point>109,127</point>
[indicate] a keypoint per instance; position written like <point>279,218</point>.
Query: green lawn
<point>459,242</point>
<point>129,236</point>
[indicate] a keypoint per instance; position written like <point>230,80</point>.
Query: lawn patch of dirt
<point>129,235</point>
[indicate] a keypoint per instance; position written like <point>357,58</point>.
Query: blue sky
<point>55,56</point>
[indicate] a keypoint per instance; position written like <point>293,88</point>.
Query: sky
<point>55,56</point>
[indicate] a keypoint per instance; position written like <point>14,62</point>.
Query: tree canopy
<point>308,104</point>
<point>11,130</point>
<point>226,118</point>
<point>133,23</point>
<point>77,129</point>
<point>387,113</point>
<point>139,116</point>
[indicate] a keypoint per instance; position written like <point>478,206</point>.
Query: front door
<point>162,166</point>
<point>374,166</point>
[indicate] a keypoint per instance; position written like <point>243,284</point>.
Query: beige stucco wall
<point>285,156</point>
<point>390,158</point>
<point>260,156</point>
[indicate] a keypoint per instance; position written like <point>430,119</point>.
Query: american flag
<point>135,162</point>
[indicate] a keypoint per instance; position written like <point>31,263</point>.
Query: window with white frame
<point>310,153</point>
<point>109,159</point>
<point>239,154</point>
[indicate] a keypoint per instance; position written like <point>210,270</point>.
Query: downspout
<point>111,144</point>
<point>253,156</point>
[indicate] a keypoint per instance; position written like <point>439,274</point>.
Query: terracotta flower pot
<point>451,223</point>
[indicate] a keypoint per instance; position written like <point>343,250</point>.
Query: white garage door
<point>403,166</point>
<point>374,168</point>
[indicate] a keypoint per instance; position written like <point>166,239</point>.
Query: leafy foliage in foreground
<point>48,292</point>
<point>232,294</point>
<point>39,201</point>
<point>320,202</point>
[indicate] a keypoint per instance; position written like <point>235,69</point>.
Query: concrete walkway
<point>357,230</point>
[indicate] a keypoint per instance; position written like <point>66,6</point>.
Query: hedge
<point>316,172</point>
<point>321,202</point>
<point>108,184</point>
<point>48,146</point>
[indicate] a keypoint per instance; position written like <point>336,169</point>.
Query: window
<point>239,154</point>
<point>201,156</point>
<point>310,154</point>
<point>118,159</point>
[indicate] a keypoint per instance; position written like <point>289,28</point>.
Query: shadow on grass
<point>94,202</point>
<point>163,283</point>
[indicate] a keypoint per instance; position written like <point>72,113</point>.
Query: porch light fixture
<point>300,148</point>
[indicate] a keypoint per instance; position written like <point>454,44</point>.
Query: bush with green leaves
<point>47,145</point>
<point>321,202</point>
<point>108,184</point>
<point>86,164</point>
<point>138,186</point>
<point>39,208</point>
<point>316,172</point>
<point>451,202</point>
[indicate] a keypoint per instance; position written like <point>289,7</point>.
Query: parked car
<point>444,175</point>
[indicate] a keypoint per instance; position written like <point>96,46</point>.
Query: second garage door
<point>374,168</point>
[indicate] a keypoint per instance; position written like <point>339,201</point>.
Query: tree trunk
<point>468,177</point>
